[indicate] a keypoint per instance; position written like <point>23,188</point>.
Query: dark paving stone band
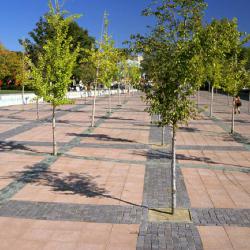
<point>220,216</point>
<point>82,144</point>
<point>157,194</point>
<point>74,212</point>
<point>217,167</point>
<point>168,236</point>
<point>157,181</point>
<point>213,148</point>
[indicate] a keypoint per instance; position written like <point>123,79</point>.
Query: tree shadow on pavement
<point>188,129</point>
<point>8,146</point>
<point>71,184</point>
<point>241,139</point>
<point>102,137</point>
<point>115,118</point>
<point>162,156</point>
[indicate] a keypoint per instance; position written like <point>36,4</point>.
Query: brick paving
<point>97,192</point>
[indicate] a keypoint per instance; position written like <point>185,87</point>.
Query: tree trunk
<point>198,98</point>
<point>162,135</point>
<point>54,129</point>
<point>232,122</point>
<point>23,94</point>
<point>37,108</point>
<point>109,100</point>
<point>93,109</point>
<point>173,171</point>
<point>249,101</point>
<point>119,94</point>
<point>211,102</point>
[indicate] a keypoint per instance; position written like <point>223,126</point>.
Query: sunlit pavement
<point>97,192</point>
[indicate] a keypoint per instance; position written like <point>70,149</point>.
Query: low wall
<point>17,99</point>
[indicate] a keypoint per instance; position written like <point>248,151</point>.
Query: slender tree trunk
<point>119,94</point>
<point>109,100</point>
<point>37,108</point>
<point>93,109</point>
<point>173,170</point>
<point>85,93</point>
<point>23,95</point>
<point>162,135</point>
<point>211,102</point>
<point>54,129</point>
<point>249,101</point>
<point>198,98</point>
<point>232,121</point>
<point>125,94</point>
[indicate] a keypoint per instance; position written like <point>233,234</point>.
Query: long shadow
<point>81,184</point>
<point>188,129</point>
<point>241,139</point>
<point>160,155</point>
<point>236,120</point>
<point>115,118</point>
<point>7,146</point>
<point>101,137</point>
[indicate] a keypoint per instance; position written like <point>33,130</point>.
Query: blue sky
<point>18,17</point>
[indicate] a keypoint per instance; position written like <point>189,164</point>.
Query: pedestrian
<point>237,104</point>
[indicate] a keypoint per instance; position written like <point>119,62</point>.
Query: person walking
<point>237,104</point>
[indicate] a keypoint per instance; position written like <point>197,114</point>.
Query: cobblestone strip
<point>91,158</point>
<point>169,236</point>
<point>157,194</point>
<point>213,148</point>
<point>157,182</point>
<point>217,167</point>
<point>113,214</point>
<point>220,216</point>
<point>157,187</point>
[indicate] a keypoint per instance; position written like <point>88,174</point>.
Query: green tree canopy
<point>80,38</point>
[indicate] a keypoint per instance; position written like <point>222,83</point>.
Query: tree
<point>235,75</point>
<point>172,57</point>
<point>105,61</point>
<point>245,55</point>
<point>80,38</point>
<point>122,72</point>
<point>10,66</point>
<point>52,73</point>
<point>134,75</point>
<point>215,45</point>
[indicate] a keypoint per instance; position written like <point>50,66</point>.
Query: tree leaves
<point>52,73</point>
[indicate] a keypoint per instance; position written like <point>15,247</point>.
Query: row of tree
<point>181,53</point>
<point>57,57</point>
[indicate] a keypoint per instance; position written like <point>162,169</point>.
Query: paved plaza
<point>101,190</point>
